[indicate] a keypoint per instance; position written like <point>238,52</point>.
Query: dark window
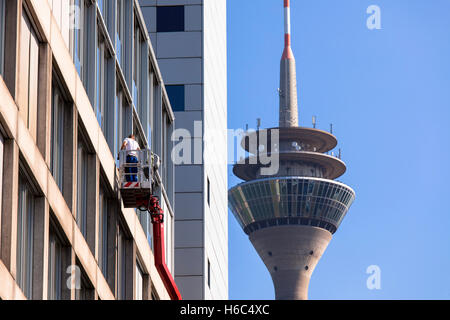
<point>103,231</point>
<point>25,222</point>
<point>57,133</point>
<point>209,274</point>
<point>208,191</point>
<point>176,97</point>
<point>82,172</point>
<point>85,291</point>
<point>170,19</point>
<point>29,62</point>
<point>120,265</point>
<point>55,248</point>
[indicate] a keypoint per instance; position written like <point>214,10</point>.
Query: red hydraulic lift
<point>138,194</point>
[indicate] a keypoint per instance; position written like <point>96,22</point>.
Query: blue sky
<point>387,93</point>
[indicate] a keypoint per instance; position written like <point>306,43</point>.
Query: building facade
<point>76,78</point>
<point>189,37</point>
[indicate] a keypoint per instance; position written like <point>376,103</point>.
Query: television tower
<point>290,216</point>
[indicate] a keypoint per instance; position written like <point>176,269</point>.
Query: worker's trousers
<point>130,177</point>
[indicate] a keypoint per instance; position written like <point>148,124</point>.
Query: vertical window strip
<point>81,187</point>
<point>57,132</point>
<point>25,224</point>
<point>54,267</point>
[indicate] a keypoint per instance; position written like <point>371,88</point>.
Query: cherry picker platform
<point>137,174</point>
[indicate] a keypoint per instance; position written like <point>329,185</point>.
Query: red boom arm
<point>157,216</point>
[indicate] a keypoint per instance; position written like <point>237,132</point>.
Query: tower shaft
<point>291,254</point>
<point>288,77</point>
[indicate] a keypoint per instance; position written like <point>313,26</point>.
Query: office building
<point>189,38</point>
<point>76,78</point>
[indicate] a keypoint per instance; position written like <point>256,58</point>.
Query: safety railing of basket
<point>136,165</point>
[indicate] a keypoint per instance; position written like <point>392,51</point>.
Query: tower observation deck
<point>290,216</point>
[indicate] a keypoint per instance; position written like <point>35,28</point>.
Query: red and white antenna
<point>288,78</point>
<point>287,30</point>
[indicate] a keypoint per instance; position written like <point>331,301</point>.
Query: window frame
<point>120,31</point>
<point>55,264</point>
<point>82,172</point>
<point>137,66</point>
<point>101,59</point>
<point>57,160</point>
<point>139,282</point>
<point>77,35</point>
<point>29,62</point>
<point>121,265</point>
<point>104,207</point>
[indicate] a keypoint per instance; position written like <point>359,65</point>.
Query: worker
<point>131,145</point>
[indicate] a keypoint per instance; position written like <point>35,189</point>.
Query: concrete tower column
<point>291,254</point>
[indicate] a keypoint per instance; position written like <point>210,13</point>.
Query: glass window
<point>29,62</point>
<point>170,19</point>
<point>137,67</point>
<point>139,283</point>
<point>25,220</point>
<point>144,219</point>
<point>120,121</point>
<point>2,34</point>
<point>101,84</point>
<point>82,171</point>
<point>86,289</point>
<point>120,30</point>
<point>77,34</point>
<point>176,94</point>
<point>102,6</point>
<point>57,134</point>
<point>103,232</point>
<point>54,266</point>
<point>121,265</point>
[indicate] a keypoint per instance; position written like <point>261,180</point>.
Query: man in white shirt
<point>130,144</point>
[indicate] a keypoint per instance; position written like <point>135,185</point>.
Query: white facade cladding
<point>189,38</point>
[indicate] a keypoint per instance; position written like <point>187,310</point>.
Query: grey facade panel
<point>179,44</point>
<point>189,234</point>
<point>191,175</point>
<point>191,67</point>
<point>190,286</point>
<point>190,206</point>
<point>189,261</point>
